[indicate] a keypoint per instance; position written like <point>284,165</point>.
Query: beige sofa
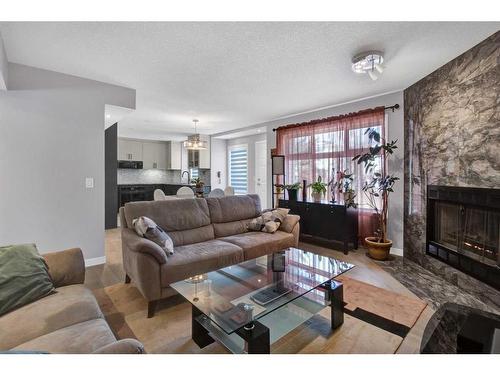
<point>67,321</point>
<point>208,234</point>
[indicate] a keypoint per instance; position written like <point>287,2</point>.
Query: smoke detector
<point>368,63</point>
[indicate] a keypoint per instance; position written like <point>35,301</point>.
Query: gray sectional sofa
<point>66,321</point>
<point>208,234</point>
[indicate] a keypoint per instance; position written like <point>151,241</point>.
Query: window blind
<point>238,169</point>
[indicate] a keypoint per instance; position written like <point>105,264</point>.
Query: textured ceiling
<point>231,75</point>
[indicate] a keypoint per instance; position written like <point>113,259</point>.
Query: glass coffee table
<point>248,306</point>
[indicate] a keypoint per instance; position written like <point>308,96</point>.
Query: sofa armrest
<point>125,346</point>
<point>66,267</point>
<point>289,223</point>
<point>134,242</point>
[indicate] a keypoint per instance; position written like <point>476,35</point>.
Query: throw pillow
<point>24,277</point>
<point>147,228</point>
<point>269,221</point>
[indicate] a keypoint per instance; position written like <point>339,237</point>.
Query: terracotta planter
<point>377,250</point>
<point>317,197</point>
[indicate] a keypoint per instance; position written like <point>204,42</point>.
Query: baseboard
<point>95,261</point>
<point>396,251</point>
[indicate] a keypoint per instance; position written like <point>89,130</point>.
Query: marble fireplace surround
<point>452,138</point>
<point>463,230</point>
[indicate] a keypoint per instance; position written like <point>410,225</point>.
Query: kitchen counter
<point>144,192</point>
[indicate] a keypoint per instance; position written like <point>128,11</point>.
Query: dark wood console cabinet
<point>325,222</point>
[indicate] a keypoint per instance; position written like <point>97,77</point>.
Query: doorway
<point>261,171</point>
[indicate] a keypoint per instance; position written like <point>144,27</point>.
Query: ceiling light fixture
<point>194,142</point>
<point>368,62</point>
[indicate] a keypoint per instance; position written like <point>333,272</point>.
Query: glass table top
<point>234,296</point>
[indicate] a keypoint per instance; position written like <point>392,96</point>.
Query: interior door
<point>261,172</point>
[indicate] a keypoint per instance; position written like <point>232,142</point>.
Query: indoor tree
<point>380,184</point>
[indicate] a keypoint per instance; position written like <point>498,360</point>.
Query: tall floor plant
<point>380,184</point>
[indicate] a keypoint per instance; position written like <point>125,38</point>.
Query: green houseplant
<point>292,190</point>
<point>318,189</point>
<point>198,184</point>
<point>344,186</point>
<point>377,190</point>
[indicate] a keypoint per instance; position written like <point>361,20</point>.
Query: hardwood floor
<point>366,270</point>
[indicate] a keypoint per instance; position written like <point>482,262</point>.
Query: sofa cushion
<point>147,228</point>
<point>24,276</point>
<point>171,215</point>
<point>231,228</point>
<point>233,208</point>
<point>194,259</point>
<point>256,244</point>
<point>189,236</point>
<point>69,305</point>
<point>84,337</point>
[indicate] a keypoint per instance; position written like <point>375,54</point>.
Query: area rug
<point>388,310</point>
<point>169,331</point>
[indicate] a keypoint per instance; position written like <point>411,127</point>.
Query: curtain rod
<point>391,107</point>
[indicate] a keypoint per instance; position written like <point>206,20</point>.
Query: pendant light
<point>194,141</point>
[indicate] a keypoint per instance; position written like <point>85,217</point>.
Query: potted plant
<point>279,188</point>
<point>318,189</point>
<point>377,190</point>
<point>292,190</point>
<point>344,187</point>
<point>198,184</point>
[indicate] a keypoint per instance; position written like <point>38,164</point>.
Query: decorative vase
<point>292,194</point>
<point>317,197</point>
<point>378,250</point>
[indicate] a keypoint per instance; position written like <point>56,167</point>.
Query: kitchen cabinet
<point>129,149</point>
<point>199,158</point>
<point>204,156</point>
<point>154,155</point>
<point>174,151</point>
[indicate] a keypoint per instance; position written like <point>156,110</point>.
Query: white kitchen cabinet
<point>197,158</point>
<point>204,158</point>
<point>174,155</point>
<point>154,155</point>
<point>129,149</point>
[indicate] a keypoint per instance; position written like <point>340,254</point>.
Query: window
<point>238,169</point>
<point>327,147</point>
<point>194,173</point>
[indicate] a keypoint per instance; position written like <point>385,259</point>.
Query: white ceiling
<point>232,75</point>
<point>242,133</point>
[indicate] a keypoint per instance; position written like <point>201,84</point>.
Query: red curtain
<point>325,147</point>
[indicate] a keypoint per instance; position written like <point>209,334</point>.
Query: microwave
<point>129,164</point>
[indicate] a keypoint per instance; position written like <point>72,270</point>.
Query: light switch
<point>89,182</point>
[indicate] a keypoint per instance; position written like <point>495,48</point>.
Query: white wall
<point>3,66</point>
<point>218,162</point>
<point>395,122</point>
<point>51,138</point>
<point>250,142</point>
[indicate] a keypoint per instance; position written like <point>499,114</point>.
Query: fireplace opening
<point>463,227</point>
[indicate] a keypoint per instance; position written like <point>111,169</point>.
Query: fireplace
<point>463,226</point>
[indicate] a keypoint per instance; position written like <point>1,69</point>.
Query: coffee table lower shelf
<point>258,336</point>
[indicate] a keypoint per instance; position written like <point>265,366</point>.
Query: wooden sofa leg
<point>152,308</point>
<point>127,279</point>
